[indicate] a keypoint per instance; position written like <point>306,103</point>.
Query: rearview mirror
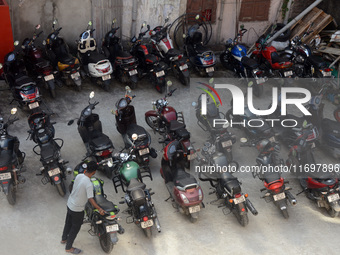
<point>44,42</point>
<point>91,95</point>
<point>114,20</point>
<point>169,83</point>
<point>1,66</point>
<point>242,26</point>
<point>194,104</point>
<point>16,43</point>
<point>128,89</point>
<point>250,84</point>
<point>14,111</point>
<point>37,26</point>
<point>243,140</point>
<point>134,136</point>
<point>55,22</point>
<point>166,20</point>
<point>90,23</point>
<point>197,17</point>
<point>304,124</point>
<point>70,122</point>
<point>184,36</point>
<point>144,24</point>
<point>211,81</point>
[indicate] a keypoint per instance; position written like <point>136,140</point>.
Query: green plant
<point>284,8</point>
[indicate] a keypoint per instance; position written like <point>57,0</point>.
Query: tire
<point>160,86</point>
<point>78,88</point>
<point>150,121</point>
<point>147,232</point>
<point>108,172</point>
<point>106,85</point>
<point>333,213</point>
<point>52,93</point>
<point>61,188</point>
<point>70,187</point>
<point>133,85</point>
<point>192,219</point>
<point>106,243</point>
<point>285,213</point>
<point>243,220</point>
<point>258,90</point>
<point>11,196</point>
<point>184,80</point>
<point>336,114</point>
<point>224,61</point>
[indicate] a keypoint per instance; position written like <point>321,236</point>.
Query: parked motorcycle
<point>98,145</point>
<point>104,226</point>
<point>273,182</point>
<point>202,58</point>
<point>96,65</point>
<point>235,59</point>
<point>11,160</point>
<point>36,64</point>
<point>184,189</point>
<point>225,185</point>
<point>125,65</point>
<point>164,48</point>
<point>148,63</point>
<point>141,209</point>
<point>23,88</point>
<point>58,52</point>
<point>127,126</point>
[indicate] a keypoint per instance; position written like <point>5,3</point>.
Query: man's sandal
<point>63,241</point>
<point>74,251</point>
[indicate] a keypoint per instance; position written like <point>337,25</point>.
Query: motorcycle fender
<point>151,113</point>
<point>114,237</point>
<point>134,78</point>
<point>240,208</point>
<point>5,187</point>
<point>51,84</point>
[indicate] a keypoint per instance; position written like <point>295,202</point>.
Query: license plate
<point>239,200</point>
<point>133,72</point>
<point>325,74</point>
<point>183,67</point>
<point>272,139</point>
<point>112,228</point>
<point>49,77</point>
<point>194,209</point>
<point>260,80</point>
<point>75,75</point>
<point>289,73</point>
<point>146,224</point>
<point>54,171</point>
<point>209,69</point>
<point>227,143</point>
<point>333,197</point>
<point>106,77</point>
<point>5,176</point>
<point>192,156</point>
<point>160,73</point>
<point>143,151</point>
<point>279,196</point>
<point>33,105</point>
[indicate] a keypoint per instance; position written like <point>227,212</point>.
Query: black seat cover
<point>105,204</point>
<point>326,178</point>
<point>249,62</point>
<point>231,183</point>
<point>173,53</point>
<point>67,59</point>
<point>5,157</point>
<point>212,111</point>
<point>95,57</point>
<point>101,142</point>
<point>331,126</point>
<point>135,185</point>
<point>183,178</point>
<point>271,177</point>
<point>175,125</point>
<point>123,55</point>
<point>22,80</point>
<point>134,128</point>
<point>48,150</point>
<point>317,61</point>
<point>150,58</point>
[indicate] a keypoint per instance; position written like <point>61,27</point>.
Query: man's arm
<point>95,205</point>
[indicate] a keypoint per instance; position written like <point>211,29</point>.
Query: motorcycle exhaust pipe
<point>290,197</point>
<point>251,207</point>
<point>69,170</point>
<point>158,225</point>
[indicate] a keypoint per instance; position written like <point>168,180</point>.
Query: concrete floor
<point>34,225</point>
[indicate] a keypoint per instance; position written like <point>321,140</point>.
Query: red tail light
<point>259,72</point>
<point>145,218</point>
<point>56,178</point>
<point>4,168</point>
<point>238,195</point>
<point>328,70</point>
<point>104,153</point>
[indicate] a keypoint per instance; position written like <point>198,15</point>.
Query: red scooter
<point>184,189</point>
<point>36,64</point>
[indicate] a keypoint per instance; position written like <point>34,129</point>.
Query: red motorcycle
<point>36,64</point>
<point>184,189</point>
<point>274,64</point>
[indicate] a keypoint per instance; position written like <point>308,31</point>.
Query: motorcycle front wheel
<point>11,196</point>
<point>147,232</point>
<point>152,122</point>
<point>61,188</point>
<point>106,243</point>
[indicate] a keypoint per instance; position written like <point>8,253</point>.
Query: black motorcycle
<point>98,145</point>
<point>11,161</point>
<point>124,64</point>
<point>148,63</point>
<point>127,126</point>
<point>226,186</point>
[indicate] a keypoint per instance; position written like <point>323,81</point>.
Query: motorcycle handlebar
<point>39,34</point>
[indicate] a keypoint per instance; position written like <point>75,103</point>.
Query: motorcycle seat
<point>123,55</point>
<point>270,177</point>
<point>183,133</point>
<point>95,57</point>
<point>105,204</point>
<point>183,178</point>
<point>23,81</point>
<point>317,61</point>
<point>331,126</point>
<point>231,183</point>
<point>277,59</point>
<point>5,157</point>
<point>173,53</point>
<point>326,178</point>
<point>249,62</point>
<point>101,142</point>
<point>48,150</point>
<point>67,59</point>
<point>175,125</point>
<point>135,185</point>
<point>151,58</point>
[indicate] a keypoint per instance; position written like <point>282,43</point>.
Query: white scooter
<point>96,65</point>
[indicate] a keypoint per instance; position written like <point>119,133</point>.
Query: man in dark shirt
<point>81,193</point>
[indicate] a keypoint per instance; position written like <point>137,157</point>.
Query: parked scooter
<point>148,63</point>
<point>104,226</point>
<point>11,160</point>
<point>96,66</point>
<point>225,185</point>
<point>164,48</point>
<point>54,167</point>
<point>23,88</point>
<point>36,64</point>
<point>184,189</point>
<point>141,209</point>
<point>98,145</point>
<point>273,182</point>
<point>200,57</point>
<point>127,126</point>
<point>58,52</point>
<point>125,65</point>
<point>235,59</point>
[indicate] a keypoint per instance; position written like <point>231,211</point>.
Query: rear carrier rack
<point>117,180</point>
<point>180,117</point>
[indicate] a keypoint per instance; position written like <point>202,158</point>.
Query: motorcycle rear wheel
<point>242,219</point>
<point>333,213</point>
<point>106,85</point>
<point>61,188</point>
<point>285,213</point>
<point>147,232</point>
<point>11,196</point>
<point>106,243</point>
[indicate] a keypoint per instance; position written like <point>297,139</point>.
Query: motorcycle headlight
<point>185,199</point>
